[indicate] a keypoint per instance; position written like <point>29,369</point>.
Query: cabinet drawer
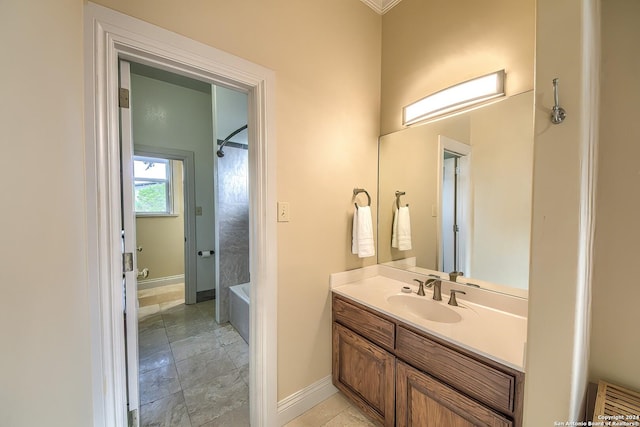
<point>424,401</point>
<point>367,324</point>
<point>476,379</point>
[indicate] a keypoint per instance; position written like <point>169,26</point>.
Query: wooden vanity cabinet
<point>402,376</point>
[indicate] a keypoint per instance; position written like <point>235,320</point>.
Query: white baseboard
<point>160,281</point>
<point>303,400</point>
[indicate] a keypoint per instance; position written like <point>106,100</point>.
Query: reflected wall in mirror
<point>494,193</point>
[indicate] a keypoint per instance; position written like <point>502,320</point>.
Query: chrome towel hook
<point>558,114</point>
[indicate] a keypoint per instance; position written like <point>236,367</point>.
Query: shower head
<point>220,153</point>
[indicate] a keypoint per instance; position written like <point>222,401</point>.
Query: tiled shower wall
<point>233,220</point>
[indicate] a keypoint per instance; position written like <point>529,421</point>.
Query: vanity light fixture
<point>455,98</point>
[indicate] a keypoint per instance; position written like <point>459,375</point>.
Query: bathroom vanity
<point>462,366</point>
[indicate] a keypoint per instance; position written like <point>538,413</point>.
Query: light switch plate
<point>283,212</point>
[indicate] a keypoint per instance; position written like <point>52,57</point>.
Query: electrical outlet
<point>283,212</point>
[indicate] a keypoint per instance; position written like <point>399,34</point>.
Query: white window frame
<point>170,206</point>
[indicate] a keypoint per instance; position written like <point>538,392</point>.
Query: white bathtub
<point>239,300</point>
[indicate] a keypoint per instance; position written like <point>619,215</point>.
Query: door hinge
<point>133,418</point>
<point>127,262</point>
<point>123,99</point>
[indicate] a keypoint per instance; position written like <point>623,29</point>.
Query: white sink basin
<point>424,307</point>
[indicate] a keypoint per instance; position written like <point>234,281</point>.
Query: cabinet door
<point>422,401</point>
<point>365,373</point>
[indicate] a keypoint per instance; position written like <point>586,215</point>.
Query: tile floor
<point>336,411</point>
<point>194,372</point>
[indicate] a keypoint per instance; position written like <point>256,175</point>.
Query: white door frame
<point>108,36</point>
<point>189,202</point>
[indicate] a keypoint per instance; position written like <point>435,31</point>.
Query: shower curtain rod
<point>220,153</point>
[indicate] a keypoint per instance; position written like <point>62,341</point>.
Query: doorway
<point>159,202</point>
<point>454,199</point>
<point>109,36</point>
<point>193,369</point>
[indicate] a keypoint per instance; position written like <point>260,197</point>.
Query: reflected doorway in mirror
<point>454,164</point>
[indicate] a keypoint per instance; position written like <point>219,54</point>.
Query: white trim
<point>303,400</point>
<point>108,36</point>
<point>381,6</point>
<point>160,281</point>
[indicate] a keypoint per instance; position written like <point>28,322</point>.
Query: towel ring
<point>357,191</point>
<point>398,194</point>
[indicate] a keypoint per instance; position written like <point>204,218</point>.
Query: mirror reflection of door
<point>451,220</point>
<point>455,205</point>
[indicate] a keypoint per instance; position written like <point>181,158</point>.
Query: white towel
<point>401,235</point>
<point>362,243</point>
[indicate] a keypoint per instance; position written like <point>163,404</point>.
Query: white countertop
<point>496,334</point>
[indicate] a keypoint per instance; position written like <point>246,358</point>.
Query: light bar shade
<point>455,98</point>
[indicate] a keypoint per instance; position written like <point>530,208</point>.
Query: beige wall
<point>430,45</point>
<point>162,238</point>
<point>615,342</point>
<point>501,174</point>
<point>44,314</point>
<point>326,56</point>
<point>555,379</point>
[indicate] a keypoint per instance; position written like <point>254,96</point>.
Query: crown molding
<point>381,6</point>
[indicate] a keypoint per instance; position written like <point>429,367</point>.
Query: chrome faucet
<point>437,285</point>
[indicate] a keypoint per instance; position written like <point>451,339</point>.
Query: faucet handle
<point>420,287</point>
<point>452,298</point>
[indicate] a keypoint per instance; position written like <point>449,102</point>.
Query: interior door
<point>130,285</point>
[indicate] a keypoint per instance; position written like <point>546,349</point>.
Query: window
<point>152,186</point>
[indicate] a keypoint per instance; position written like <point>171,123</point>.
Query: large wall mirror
<point>467,180</point>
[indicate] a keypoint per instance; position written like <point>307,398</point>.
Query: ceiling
<point>381,6</point>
